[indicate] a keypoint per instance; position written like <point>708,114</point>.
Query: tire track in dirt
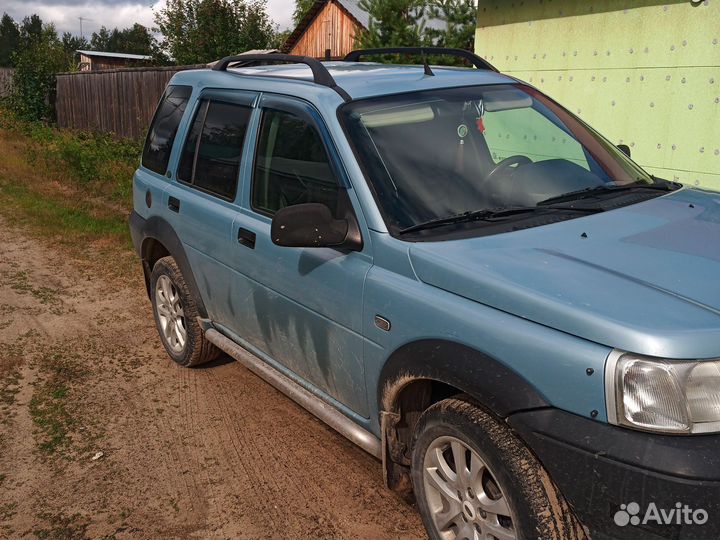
<point>212,452</point>
<point>267,489</point>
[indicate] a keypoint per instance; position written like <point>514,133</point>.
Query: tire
<point>511,497</point>
<point>175,313</point>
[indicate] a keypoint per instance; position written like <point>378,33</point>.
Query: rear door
<point>200,201</point>
<point>301,307</point>
<point>151,178</point>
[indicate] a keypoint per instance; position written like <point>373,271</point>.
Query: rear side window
<point>211,156</point>
<point>160,138</point>
<point>291,165</point>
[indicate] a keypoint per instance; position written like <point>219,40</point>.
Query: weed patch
<point>62,526</point>
<point>49,406</point>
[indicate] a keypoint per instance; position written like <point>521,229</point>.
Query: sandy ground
<point>203,453</point>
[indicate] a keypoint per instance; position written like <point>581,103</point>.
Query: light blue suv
<point>456,273</point>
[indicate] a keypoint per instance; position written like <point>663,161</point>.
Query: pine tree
<point>72,43</point>
<point>393,23</point>
<point>100,40</point>
<point>460,18</point>
<point>31,31</point>
<point>9,40</point>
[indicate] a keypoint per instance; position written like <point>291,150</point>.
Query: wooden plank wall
<point>120,101</point>
<point>331,29</point>
<point>6,75</point>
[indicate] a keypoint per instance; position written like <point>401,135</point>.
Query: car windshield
<point>437,154</point>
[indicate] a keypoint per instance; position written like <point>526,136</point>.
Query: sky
<point>111,13</point>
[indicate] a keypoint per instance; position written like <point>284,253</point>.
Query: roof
<point>126,56</point>
<point>358,79</point>
<point>352,7</point>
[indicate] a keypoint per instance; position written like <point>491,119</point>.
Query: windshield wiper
<point>590,192</point>
<point>492,214</point>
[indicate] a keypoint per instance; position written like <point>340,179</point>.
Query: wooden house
<point>96,60</point>
<point>328,29</point>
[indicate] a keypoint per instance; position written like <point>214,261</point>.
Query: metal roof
<point>362,16</point>
<point>115,55</point>
<point>354,9</point>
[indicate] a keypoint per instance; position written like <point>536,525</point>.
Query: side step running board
<point>306,399</point>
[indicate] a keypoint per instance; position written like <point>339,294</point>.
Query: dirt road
<point>101,435</point>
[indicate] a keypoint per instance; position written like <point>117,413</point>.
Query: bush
<point>34,78</point>
<point>92,161</point>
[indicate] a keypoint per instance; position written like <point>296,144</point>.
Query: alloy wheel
<point>170,313</point>
<point>464,498</point>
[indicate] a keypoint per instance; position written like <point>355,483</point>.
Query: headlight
<point>667,396</point>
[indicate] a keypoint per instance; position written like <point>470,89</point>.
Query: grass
<point>62,526</point>
<point>60,218</point>
<point>49,407</point>
<point>72,188</point>
<point>19,282</point>
<point>49,412</point>
<point>9,388</point>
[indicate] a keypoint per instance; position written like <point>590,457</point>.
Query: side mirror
<point>310,225</point>
<point>624,148</point>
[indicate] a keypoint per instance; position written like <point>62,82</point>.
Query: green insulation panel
<point>641,72</point>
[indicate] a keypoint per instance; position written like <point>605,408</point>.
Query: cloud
<point>281,12</point>
<point>112,13</point>
<point>65,13</point>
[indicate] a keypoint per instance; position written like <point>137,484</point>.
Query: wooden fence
<point>118,101</point>
<point>6,75</point>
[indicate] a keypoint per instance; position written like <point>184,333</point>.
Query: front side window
<point>480,156</point>
<point>211,156</point>
<point>160,138</point>
<point>291,165</point>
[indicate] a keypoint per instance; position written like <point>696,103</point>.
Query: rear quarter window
<point>164,126</point>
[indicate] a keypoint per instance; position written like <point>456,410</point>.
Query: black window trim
<point>209,97</point>
<point>164,174</point>
<point>307,112</point>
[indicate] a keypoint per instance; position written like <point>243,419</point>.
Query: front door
<point>300,306</point>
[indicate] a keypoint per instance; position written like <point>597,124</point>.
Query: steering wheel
<point>504,164</point>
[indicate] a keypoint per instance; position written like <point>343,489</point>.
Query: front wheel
<point>474,479</point>
<point>176,315</point>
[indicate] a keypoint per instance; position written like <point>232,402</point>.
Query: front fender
<point>490,383</point>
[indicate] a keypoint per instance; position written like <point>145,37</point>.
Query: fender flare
<point>488,381</point>
<point>484,379</point>
<point>158,229</point>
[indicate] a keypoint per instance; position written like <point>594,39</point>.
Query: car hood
<point>643,278</point>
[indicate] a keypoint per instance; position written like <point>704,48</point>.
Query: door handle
<point>246,238</point>
<point>174,204</point>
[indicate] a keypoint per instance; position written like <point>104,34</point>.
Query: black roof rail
<point>473,58</point>
<point>320,73</point>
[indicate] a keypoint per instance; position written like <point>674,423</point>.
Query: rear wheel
<point>474,479</point>
<point>176,315</point>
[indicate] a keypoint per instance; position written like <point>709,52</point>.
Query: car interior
<point>440,157</point>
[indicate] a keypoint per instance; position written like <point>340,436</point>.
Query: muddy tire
<point>502,491</point>
<point>176,315</point>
